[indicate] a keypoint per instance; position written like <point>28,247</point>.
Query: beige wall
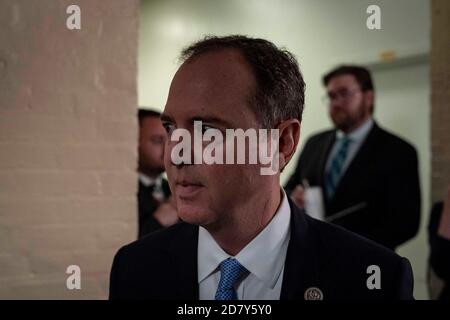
<point>440,98</point>
<point>67,144</point>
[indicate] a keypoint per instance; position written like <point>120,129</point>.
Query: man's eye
<point>344,93</point>
<point>169,128</point>
<point>205,128</point>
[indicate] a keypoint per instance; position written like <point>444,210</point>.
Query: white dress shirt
<point>357,138</point>
<point>263,257</point>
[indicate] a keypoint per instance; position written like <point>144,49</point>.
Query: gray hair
<point>280,90</point>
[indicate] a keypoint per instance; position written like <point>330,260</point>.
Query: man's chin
<point>191,213</point>
<point>343,125</point>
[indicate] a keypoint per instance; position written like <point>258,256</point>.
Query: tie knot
<point>345,141</point>
<point>230,272</point>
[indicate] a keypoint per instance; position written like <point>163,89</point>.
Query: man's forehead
<point>215,72</point>
<point>342,81</point>
<point>151,124</point>
<point>211,84</point>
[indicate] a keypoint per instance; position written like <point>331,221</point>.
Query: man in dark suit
<point>156,209</point>
<point>242,238</point>
<point>369,177</point>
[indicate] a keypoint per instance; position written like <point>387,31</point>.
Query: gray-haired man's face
<point>213,88</point>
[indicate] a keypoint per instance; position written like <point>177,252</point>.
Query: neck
<point>235,234</point>
<point>356,125</point>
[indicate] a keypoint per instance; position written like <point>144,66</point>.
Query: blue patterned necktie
<point>230,272</point>
<point>335,171</point>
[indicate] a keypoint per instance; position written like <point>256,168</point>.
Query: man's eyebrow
<point>207,119</point>
<point>165,117</point>
<point>212,120</point>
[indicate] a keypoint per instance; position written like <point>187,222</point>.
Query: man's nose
<point>179,163</point>
<point>336,103</point>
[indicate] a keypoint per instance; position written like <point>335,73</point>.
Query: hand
<point>444,225</point>
<point>298,196</point>
<point>166,214</point>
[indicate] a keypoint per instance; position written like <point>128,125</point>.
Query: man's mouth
<point>187,189</point>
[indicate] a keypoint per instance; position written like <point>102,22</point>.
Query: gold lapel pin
<point>313,293</point>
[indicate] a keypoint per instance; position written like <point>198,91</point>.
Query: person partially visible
<point>369,176</point>
<point>156,207</point>
<point>439,241</point>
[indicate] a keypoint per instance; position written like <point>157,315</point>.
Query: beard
<point>348,121</point>
<point>150,168</point>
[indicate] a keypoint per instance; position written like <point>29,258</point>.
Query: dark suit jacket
<point>439,250</point>
<point>382,180</point>
<point>163,265</point>
<point>147,206</point>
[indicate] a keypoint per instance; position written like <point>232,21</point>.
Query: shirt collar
<point>264,256</point>
<point>147,181</point>
<point>359,134</point>
<point>210,254</point>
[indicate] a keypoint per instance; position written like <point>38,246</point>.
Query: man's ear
<point>289,136</point>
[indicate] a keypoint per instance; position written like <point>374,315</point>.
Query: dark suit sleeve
<point>114,278</point>
<point>440,258</point>
<point>402,205</point>
<point>439,247</point>
<point>404,281</point>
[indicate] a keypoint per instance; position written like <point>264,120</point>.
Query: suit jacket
<point>439,259</point>
<point>381,184</point>
<point>147,206</point>
<point>163,265</point>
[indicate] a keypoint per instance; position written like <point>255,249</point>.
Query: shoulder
<point>349,263</point>
<point>155,244</point>
<point>344,244</point>
<point>145,269</point>
<point>320,136</point>
<point>389,140</point>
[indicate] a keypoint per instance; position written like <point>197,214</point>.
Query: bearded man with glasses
<point>368,176</point>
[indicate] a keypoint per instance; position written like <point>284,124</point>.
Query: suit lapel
<point>359,162</point>
<point>304,258</point>
<point>325,152</point>
<point>183,256</point>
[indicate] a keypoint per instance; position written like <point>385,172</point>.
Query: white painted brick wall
<point>68,135</point>
<point>440,97</point>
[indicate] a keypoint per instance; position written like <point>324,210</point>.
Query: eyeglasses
<point>344,94</point>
